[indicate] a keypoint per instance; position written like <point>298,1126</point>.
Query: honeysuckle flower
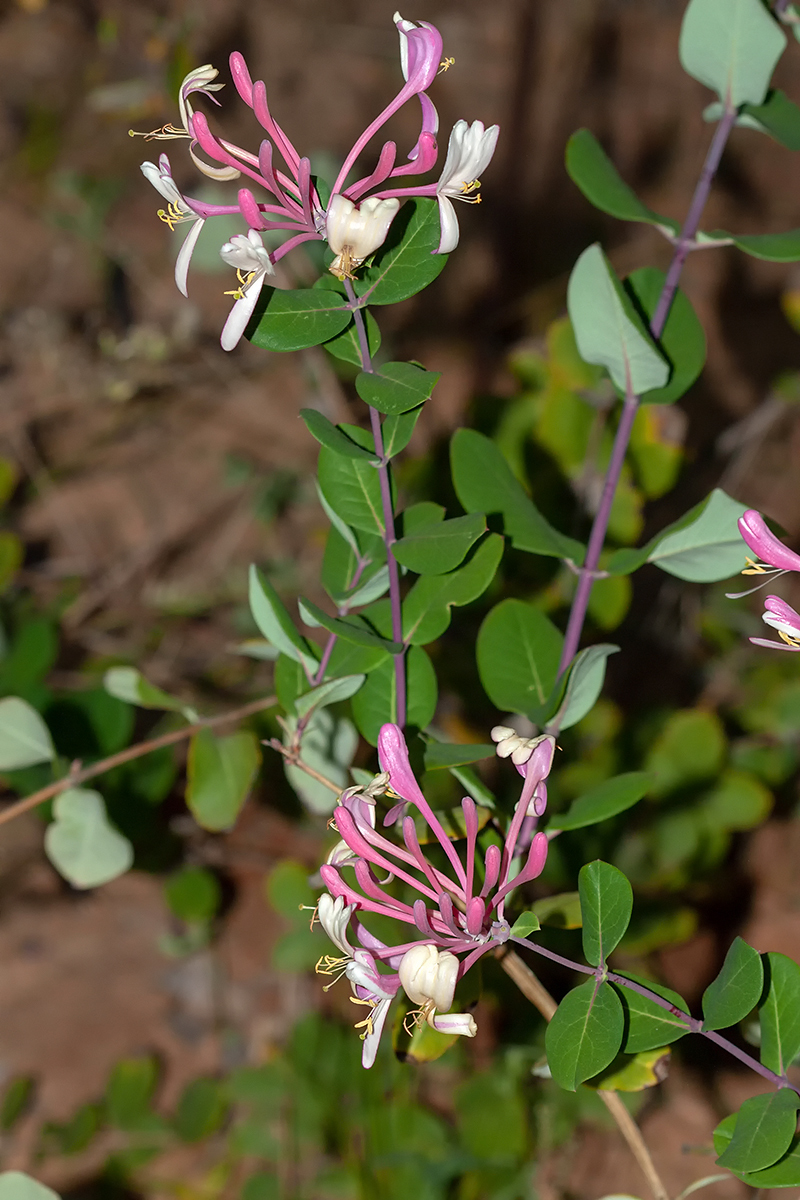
<point>178,210</point>
<point>458,910</point>
<point>248,254</point>
<point>469,153</point>
<point>429,978</point>
<point>782,617</point>
<point>354,233</point>
<point>282,194</point>
<point>773,557</point>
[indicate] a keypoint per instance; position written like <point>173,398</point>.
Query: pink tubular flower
<point>454,915</point>
<point>780,616</point>
<point>286,199</point>
<point>769,549</point>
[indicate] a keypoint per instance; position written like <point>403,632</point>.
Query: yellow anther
<point>445,65</point>
<point>173,216</point>
<point>314,910</point>
<point>244,281</point>
<point>469,191</point>
<point>164,134</point>
<point>753,568</point>
<point>790,639</point>
<point>366,1024</point>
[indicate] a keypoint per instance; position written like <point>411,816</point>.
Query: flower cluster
<point>457,914</point>
<point>356,218</point>
<point>773,559</point>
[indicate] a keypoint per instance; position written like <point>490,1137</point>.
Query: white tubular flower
<point>512,745</point>
<point>176,213</point>
<point>429,978</point>
<point>251,258</point>
<point>334,917</point>
<point>354,233</point>
<point>469,153</point>
<point>201,79</point>
<point>366,985</point>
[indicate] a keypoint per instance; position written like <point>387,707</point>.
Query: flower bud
<point>429,976</point>
<point>354,233</point>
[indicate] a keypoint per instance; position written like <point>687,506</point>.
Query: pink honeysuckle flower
<point>248,254</point>
<point>459,911</point>
<point>773,557</point>
<point>782,617</point>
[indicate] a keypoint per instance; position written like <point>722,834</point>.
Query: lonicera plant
<point>414,897</point>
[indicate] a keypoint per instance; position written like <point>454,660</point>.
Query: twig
<point>294,760</point>
<point>537,993</point>
<point>75,778</point>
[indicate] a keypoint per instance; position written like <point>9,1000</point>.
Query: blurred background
<point>161,1035</point>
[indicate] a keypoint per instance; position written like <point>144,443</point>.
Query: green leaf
<point>193,894</point>
<point>592,170</point>
<point>294,320</point>
<point>585,1033</point>
<point>633,1073</point>
<point>562,911</point>
<point>289,891</point>
<point>649,1026</point>
<point>485,483</point>
<point>18,1096</point>
<point>24,737</point>
<point>778,116</point>
<point>406,262</point>
<point>11,556</point>
<point>526,922</point>
<point>376,703</point>
<point>220,773</point>
<point>703,546</point>
<point>772,247</point>
<point>329,744</point>
<point>765,1127</point>
<point>81,843</point>
<point>354,630</point>
<point>736,990</point>
<point>683,342</point>
<point>397,431</point>
<point>346,345</point>
<point>732,47</point>
<point>201,1110</point>
<point>130,1091</point>
<point>739,801</point>
<point>421,516</point>
<point>352,488</point>
<point>587,673</point>
<point>780,1012</point>
<point>396,386</point>
<point>473,786</point>
<point>783,1173</point>
<point>608,329</point>
<point>518,652</point>
<point>331,692</point>
<point>274,622</point>
<point>441,547</point>
<point>444,755</point>
<point>128,684</point>
<point>606,907</point>
<point>426,608</point>
<point>609,798</point>
<point>15,1185</point>
<point>332,436</point>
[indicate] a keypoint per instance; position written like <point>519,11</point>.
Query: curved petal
<point>753,529</point>
<point>184,256</point>
<point>240,315</point>
<point>774,645</point>
<point>448,222</point>
<point>372,1038</point>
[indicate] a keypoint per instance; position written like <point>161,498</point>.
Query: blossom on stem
<point>356,232</point>
<point>453,914</point>
<point>469,153</point>
<point>775,557</point>
<point>251,258</point>
<point>178,210</point>
<point>782,617</point>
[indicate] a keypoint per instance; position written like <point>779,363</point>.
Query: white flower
<point>334,917</point>
<point>429,978</point>
<point>176,213</point>
<point>355,233</point>
<point>469,153</point>
<point>251,258</point>
<point>365,982</point>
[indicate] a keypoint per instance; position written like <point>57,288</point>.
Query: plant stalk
<point>683,245</point>
<point>389,537</point>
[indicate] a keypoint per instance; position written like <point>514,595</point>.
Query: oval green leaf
<point>732,47</point>
<point>24,738</point>
<point>396,386</point>
<point>606,907</point>
<point>82,844</point>
<point>585,1033</point>
<point>609,798</point>
<point>295,320</point>
<point>737,989</point>
<point>220,774</point>
<point>441,547</point>
<point>780,1012</point>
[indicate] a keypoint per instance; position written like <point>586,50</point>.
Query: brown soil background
<point>124,416</point>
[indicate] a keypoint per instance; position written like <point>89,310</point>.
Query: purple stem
<point>389,538</point>
<point>693,1025</point>
<point>683,245</point>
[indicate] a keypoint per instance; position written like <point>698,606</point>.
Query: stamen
<point>753,567</point>
<point>468,187</point>
<point>165,134</point>
<point>314,910</point>
<point>174,215</point>
<point>445,65</point>
<point>790,639</point>
<point>369,1030</point>
<point>345,264</point>
<point>244,283</point>
<point>329,965</point>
